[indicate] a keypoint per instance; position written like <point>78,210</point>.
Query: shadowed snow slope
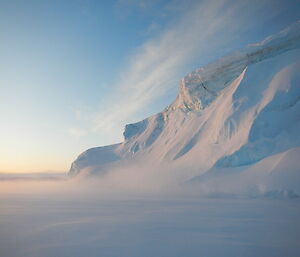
<point>231,117</point>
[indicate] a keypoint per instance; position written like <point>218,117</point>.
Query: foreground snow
<point>46,219</point>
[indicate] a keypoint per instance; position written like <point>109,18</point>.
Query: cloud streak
<point>154,68</point>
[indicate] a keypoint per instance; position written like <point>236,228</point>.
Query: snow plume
<point>159,63</point>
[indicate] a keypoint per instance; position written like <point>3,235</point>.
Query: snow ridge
<point>200,87</point>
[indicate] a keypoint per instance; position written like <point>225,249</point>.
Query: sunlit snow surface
<point>39,219</point>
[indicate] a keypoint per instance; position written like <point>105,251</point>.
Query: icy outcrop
<point>199,88</point>
<point>132,130</point>
<point>236,113</point>
<point>94,157</point>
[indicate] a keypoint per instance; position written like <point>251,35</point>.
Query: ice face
<point>199,88</point>
<point>132,130</point>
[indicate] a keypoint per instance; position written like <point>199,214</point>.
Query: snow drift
<point>235,120</point>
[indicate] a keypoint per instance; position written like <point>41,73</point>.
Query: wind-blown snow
<point>235,112</point>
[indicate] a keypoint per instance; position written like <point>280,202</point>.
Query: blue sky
<point>73,73</point>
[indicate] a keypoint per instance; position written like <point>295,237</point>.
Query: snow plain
<point>52,218</point>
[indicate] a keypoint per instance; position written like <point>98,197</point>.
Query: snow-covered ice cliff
<point>236,118</point>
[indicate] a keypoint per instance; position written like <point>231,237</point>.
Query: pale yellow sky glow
<point>31,148</point>
<point>31,161</point>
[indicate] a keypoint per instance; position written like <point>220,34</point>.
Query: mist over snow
<point>233,128</point>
